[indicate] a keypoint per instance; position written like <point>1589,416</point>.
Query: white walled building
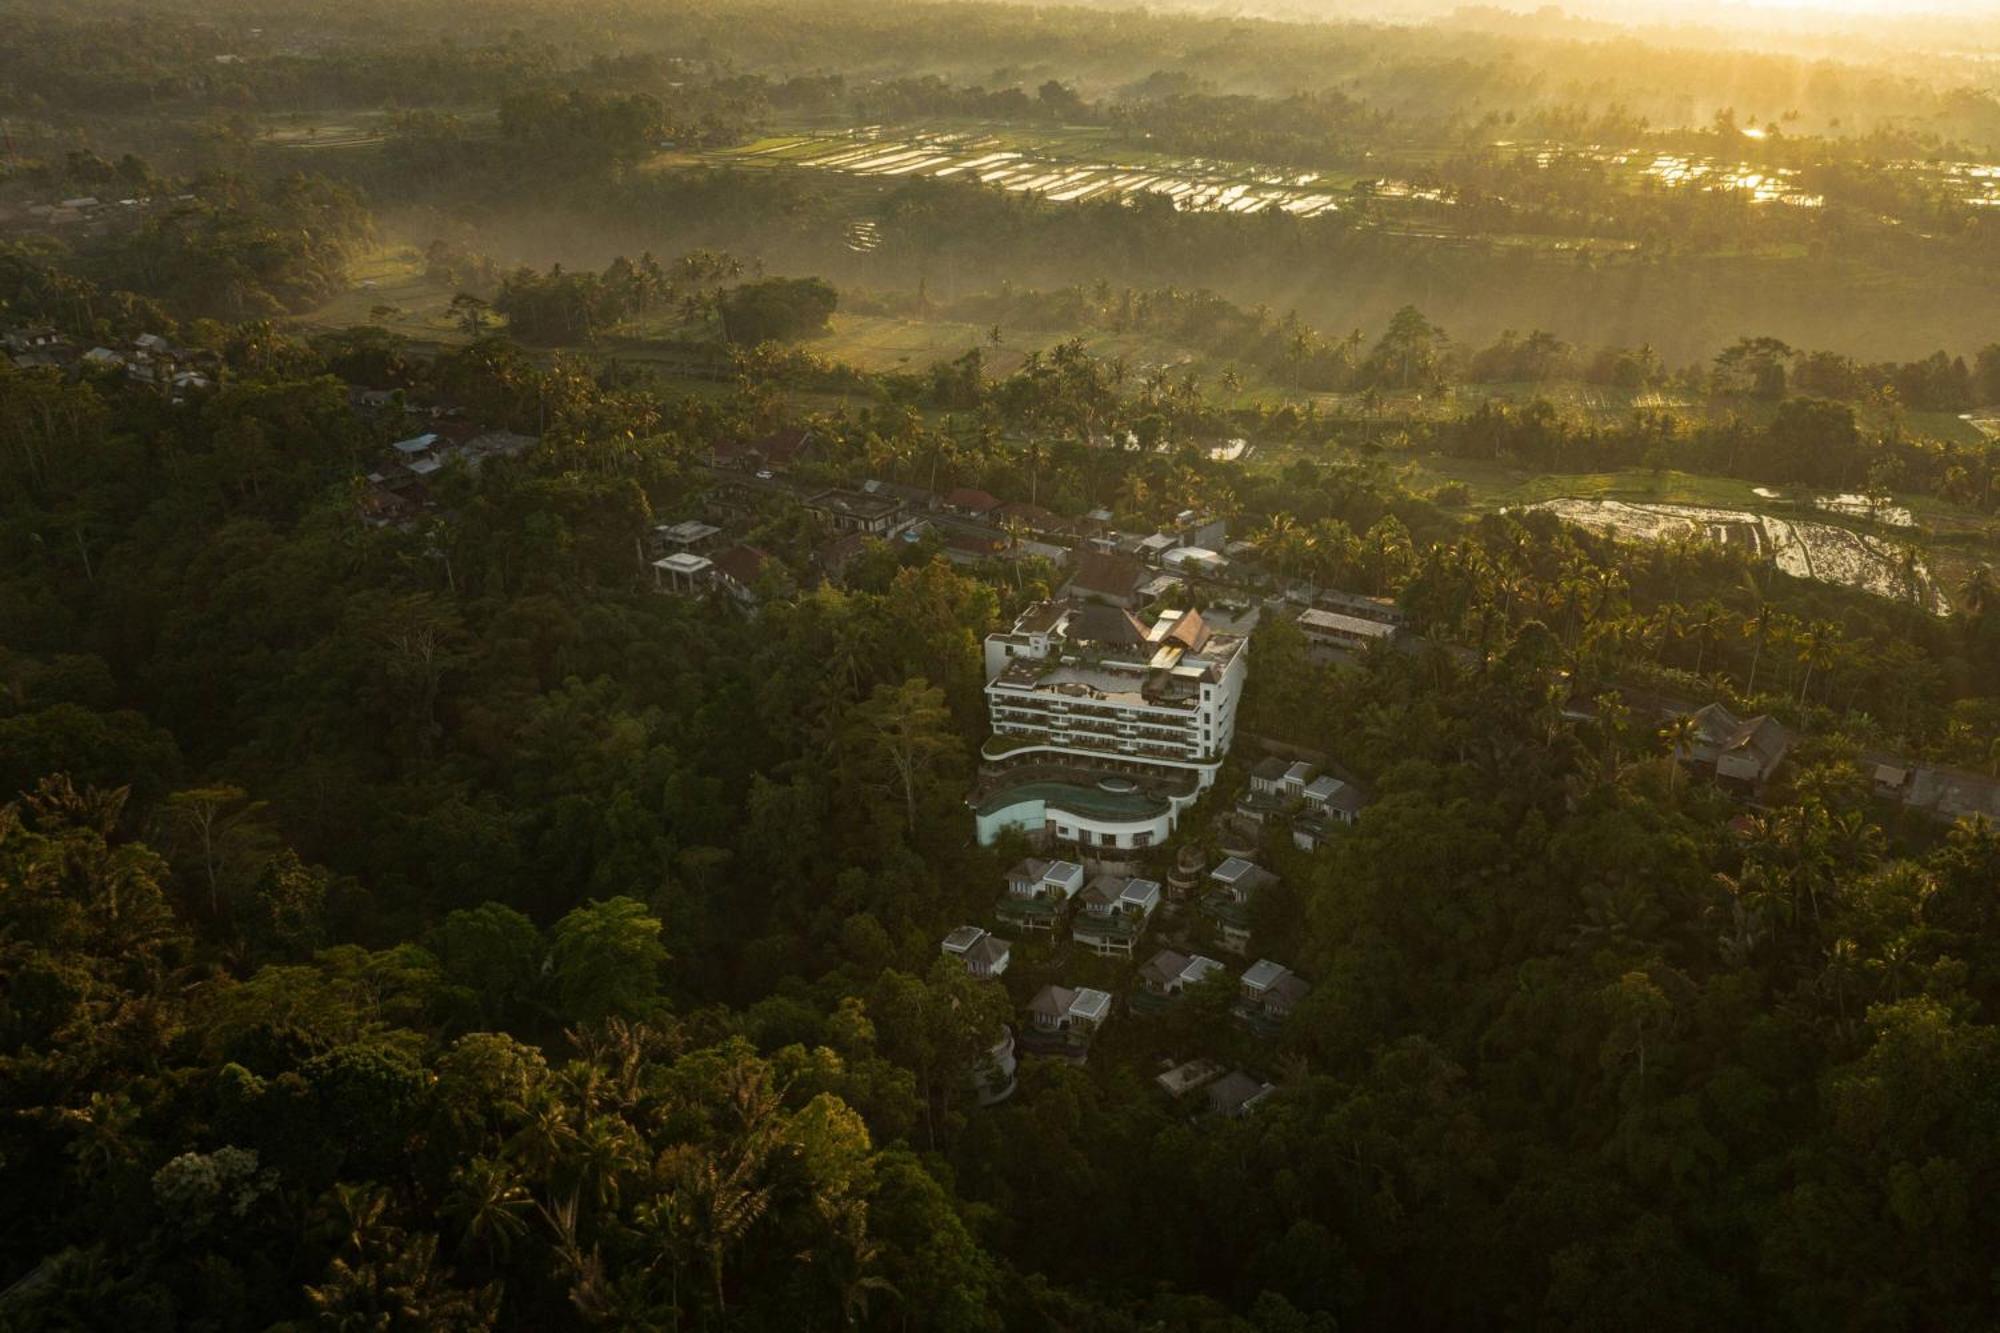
<point>1134,720</point>
<point>1093,683</point>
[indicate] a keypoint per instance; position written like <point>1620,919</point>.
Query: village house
<point>847,511</point>
<point>1329,803</point>
<point>1196,560</point>
<point>967,542</point>
<point>834,556</point>
<point>1166,976</point>
<point>1034,518</point>
<point>1114,913</point>
<point>776,453</point>
<point>1061,1021</point>
<point>1268,993</point>
<point>1184,1078</point>
<point>1236,1094</point>
<point>691,535</point>
<point>1738,753</point>
<point>1360,606</point>
<point>914,499</point>
<point>984,954</point>
<point>971,503</point>
<point>1038,891</point>
<point>1111,579</point>
<point>1237,883</point>
<point>737,571</point>
<point>37,347</point>
<point>1949,794</point>
<point>1337,631</point>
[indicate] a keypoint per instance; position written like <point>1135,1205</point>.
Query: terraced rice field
<point>1771,185</point>
<point>1804,549</point>
<point>1194,184</point>
<point>1987,423</point>
<point>324,136</point>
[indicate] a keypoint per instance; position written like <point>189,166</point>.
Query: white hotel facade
<point>1140,715</point>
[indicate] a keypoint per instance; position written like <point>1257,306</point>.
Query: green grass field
<point>389,287</point>
<point>1498,486</point>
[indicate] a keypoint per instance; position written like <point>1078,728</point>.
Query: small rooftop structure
<point>967,500</point>
<point>1170,972</point>
<point>1237,873</point>
<point>1270,992</point>
<point>856,511</point>
<point>983,953</point>
<point>1336,629</point>
<point>1198,559</point>
<point>1738,750</point>
<point>1108,626</point>
<point>741,566</point>
<point>1058,1008</point>
<point>1111,578</point>
<point>1185,1078</point>
<point>775,452</point>
<point>1236,1094</point>
<point>416,444</point>
<point>687,533</point>
<point>682,572</point>
<point>1260,975</point>
<point>1090,1006</point>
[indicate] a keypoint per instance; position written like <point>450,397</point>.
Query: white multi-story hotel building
<point>1149,710</point>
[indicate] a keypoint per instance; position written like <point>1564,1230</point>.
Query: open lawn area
<point>390,287</point>
<point>891,343</point>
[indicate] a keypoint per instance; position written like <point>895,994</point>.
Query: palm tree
<point>1704,629</point>
<point>1034,455</point>
<point>1981,593</point>
<point>1679,736</point>
<point>490,1203</point>
<point>1278,541</point>
<point>1816,649</point>
<point>850,1255</point>
<point>1757,628</point>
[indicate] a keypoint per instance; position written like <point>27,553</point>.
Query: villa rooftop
<point>1233,870</point>
<point>1344,626</point>
<point>1263,973</point>
<point>687,532</point>
<point>963,938</point>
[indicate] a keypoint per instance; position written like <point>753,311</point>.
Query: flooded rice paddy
<point>1195,184</point>
<point>1800,547</point>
